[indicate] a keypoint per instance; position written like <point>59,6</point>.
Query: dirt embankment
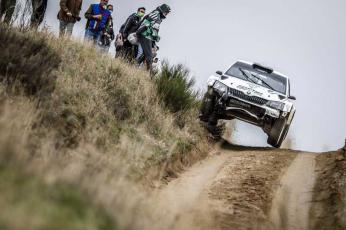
<point>79,118</point>
<point>329,201</point>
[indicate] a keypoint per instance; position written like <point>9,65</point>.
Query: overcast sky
<point>305,40</point>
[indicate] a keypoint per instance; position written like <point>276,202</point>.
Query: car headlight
<point>220,87</point>
<point>276,105</point>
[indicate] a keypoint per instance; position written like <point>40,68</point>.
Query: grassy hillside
<point>82,135</point>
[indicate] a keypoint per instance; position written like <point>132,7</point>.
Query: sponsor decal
<point>250,90</point>
<point>242,87</point>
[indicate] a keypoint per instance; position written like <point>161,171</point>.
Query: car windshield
<point>271,81</point>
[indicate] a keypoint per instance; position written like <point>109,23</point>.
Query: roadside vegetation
<point>95,130</point>
<point>174,87</point>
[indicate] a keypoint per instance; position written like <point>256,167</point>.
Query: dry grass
<point>99,127</point>
<point>29,199</point>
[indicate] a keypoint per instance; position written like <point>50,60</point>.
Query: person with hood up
<point>98,19</point>
<point>128,50</point>
<point>68,15</point>
<point>148,32</point>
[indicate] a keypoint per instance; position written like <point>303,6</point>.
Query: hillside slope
<point>76,118</point>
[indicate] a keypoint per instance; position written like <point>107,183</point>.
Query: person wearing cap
<point>68,15</point>
<point>148,32</point>
<point>98,17</point>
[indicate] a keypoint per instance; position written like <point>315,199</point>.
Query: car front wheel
<point>207,107</point>
<point>278,132</point>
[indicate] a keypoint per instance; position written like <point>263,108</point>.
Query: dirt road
<point>239,188</point>
<point>187,196</point>
<point>292,201</point>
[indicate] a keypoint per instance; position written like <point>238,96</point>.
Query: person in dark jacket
<point>68,15</point>
<point>108,34</point>
<point>148,32</point>
<point>39,9</point>
<point>98,19</point>
<point>7,9</point>
<point>131,25</point>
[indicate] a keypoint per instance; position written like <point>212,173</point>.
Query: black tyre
<point>207,107</point>
<point>278,132</point>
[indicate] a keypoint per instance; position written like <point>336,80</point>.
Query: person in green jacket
<point>148,32</point>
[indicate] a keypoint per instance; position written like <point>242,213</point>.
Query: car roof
<point>250,64</point>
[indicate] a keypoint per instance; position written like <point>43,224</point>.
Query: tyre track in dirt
<point>231,189</point>
<point>183,203</point>
<point>291,204</point>
<point>245,190</point>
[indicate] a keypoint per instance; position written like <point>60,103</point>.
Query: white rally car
<point>251,93</point>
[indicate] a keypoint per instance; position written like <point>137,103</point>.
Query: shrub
<point>175,87</point>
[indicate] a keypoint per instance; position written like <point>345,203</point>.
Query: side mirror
<point>292,97</point>
<point>219,72</point>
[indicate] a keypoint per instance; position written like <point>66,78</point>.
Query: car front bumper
<point>247,111</point>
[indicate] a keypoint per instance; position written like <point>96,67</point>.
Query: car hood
<point>252,89</point>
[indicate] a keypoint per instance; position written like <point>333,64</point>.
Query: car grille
<point>253,99</point>
<point>254,109</point>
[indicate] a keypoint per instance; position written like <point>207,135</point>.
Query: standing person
<point>68,15</point>
<point>108,33</point>
<point>38,11</point>
<point>98,18</point>
<point>148,32</point>
<point>7,9</point>
<point>129,51</point>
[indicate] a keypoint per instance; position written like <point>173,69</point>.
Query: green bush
<point>175,87</point>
